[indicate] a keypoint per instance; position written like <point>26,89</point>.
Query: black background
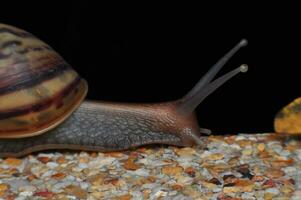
<point>151,53</point>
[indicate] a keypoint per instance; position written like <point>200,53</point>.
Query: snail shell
<point>38,88</point>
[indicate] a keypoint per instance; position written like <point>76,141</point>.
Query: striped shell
<point>38,89</point>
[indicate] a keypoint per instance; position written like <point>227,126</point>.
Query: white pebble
<point>29,188</point>
<point>298,152</point>
<point>47,174</point>
<point>21,198</point>
<point>52,165</point>
<point>272,191</point>
<point>160,193</point>
<point>289,170</point>
<point>296,195</point>
<point>26,193</point>
<point>247,195</point>
<point>142,172</point>
<point>84,185</point>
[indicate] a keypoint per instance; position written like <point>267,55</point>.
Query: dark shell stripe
<point>26,79</point>
<point>41,105</point>
<point>11,43</point>
<point>24,51</point>
<point>16,32</point>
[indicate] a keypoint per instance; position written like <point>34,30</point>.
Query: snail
<point>42,105</point>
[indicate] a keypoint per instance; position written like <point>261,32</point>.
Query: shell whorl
<point>38,89</point>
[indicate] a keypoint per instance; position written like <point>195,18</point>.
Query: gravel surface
<point>258,166</point>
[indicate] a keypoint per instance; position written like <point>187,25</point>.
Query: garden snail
<point>42,107</point>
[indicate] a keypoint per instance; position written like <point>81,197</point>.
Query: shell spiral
<point>38,89</point>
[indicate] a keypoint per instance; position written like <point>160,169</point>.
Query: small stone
<point>190,171</point>
<point>258,178</point>
<point>142,172</point>
<point>129,164</point>
<point>215,156</point>
<point>247,152</point>
<point>245,171</point>
<point>184,180</point>
<point>76,191</point>
<point>268,196</point>
<point>290,170</point>
<point>29,188</point>
<point>261,147</point>
<point>97,179</point>
<point>4,187</point>
<point>13,161</point>
<point>215,181</point>
<point>172,171</point>
<point>244,143</point>
<point>191,192</point>
<point>58,176</point>
<point>52,165</point>
<point>186,151</point>
<point>245,185</point>
<point>97,194</point>
<point>26,193</point>
<point>177,187</point>
<point>273,191</point>
<point>61,160</point>
<point>45,194</point>
<point>209,185</point>
<point>44,159</point>
<point>287,189</point>
<point>229,179</point>
<point>248,196</point>
<point>83,160</point>
<point>269,184</point>
<point>159,194</point>
<point>274,173</point>
<point>123,197</point>
<point>228,190</point>
<point>115,154</point>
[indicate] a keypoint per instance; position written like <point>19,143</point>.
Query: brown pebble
<point>45,193</point>
<point>115,154</point>
<point>215,181</point>
<point>190,171</point>
<point>177,187</point>
<point>44,159</point>
<point>245,171</point>
<point>76,191</point>
<point>229,179</point>
<point>61,160</point>
<point>13,161</point>
<point>274,173</point>
<point>58,176</point>
<point>258,178</point>
<point>129,164</point>
<point>261,147</point>
<point>123,197</point>
<point>172,171</point>
<point>244,143</point>
<point>10,197</point>
<point>268,184</point>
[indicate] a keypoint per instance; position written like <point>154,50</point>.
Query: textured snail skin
<point>106,127</point>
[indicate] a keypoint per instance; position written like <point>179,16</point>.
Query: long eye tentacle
<point>204,87</point>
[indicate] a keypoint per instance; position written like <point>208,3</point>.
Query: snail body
<point>42,105</point>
